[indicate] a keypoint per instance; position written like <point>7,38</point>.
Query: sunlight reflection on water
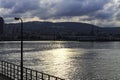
<point>61,61</point>
<point>57,61</point>
<point>69,60</point>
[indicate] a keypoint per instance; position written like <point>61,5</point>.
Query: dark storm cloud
<point>118,16</point>
<point>23,6</point>
<point>118,12</point>
<point>7,4</point>
<point>57,9</point>
<point>80,7</point>
<point>18,7</point>
<point>73,8</point>
<point>54,8</point>
<point>102,15</point>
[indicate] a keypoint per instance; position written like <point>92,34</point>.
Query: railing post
<point>36,75</point>
<point>10,70</point>
<point>2,67</point>
<point>48,77</point>
<point>17,73</point>
<point>42,76</point>
<point>14,72</point>
<point>7,69</point>
<point>56,78</point>
<point>31,74</point>
<point>26,73</point>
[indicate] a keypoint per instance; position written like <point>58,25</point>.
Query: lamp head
<point>16,18</point>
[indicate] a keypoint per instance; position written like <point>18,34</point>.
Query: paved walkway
<point>4,77</point>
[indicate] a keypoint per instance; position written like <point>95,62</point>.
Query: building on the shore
<point>1,25</point>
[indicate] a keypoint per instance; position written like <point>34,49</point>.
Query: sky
<point>104,13</point>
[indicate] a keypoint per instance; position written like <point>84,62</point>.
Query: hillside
<point>60,29</point>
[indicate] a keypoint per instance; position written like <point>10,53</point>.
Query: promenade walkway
<point>4,77</point>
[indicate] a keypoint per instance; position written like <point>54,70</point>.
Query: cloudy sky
<point>99,12</point>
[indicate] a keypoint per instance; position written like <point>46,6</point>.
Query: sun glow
<point>60,58</point>
<point>60,53</point>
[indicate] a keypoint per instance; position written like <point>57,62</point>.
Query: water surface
<point>66,59</point>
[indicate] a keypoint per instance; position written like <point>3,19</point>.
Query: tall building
<point>1,25</point>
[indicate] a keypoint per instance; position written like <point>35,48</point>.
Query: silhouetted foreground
<point>2,77</point>
<point>10,71</point>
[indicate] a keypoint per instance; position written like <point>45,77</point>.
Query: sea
<point>70,60</point>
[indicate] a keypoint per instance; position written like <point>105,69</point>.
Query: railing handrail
<point>8,69</point>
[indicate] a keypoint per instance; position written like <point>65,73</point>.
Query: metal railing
<point>13,71</point>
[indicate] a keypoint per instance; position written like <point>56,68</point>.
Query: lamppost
<point>1,25</point>
<point>16,18</point>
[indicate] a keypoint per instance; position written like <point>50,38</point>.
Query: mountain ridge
<point>38,29</point>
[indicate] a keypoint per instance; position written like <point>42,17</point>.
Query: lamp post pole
<point>21,63</point>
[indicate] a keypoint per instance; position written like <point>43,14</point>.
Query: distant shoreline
<point>68,40</point>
